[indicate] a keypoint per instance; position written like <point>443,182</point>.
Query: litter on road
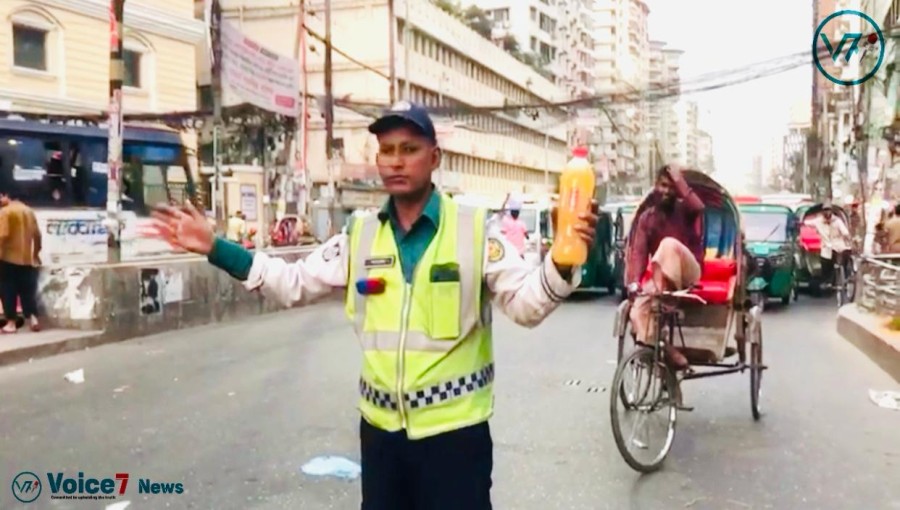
<point>886,399</point>
<point>338,467</point>
<point>75,376</point>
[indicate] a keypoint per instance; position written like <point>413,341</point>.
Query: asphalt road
<point>234,411</point>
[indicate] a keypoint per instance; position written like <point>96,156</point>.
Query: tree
<point>478,20</point>
<point>448,6</point>
<point>511,45</point>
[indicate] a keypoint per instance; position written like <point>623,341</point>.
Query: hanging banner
<point>260,76</point>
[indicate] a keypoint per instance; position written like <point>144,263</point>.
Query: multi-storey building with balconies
<point>57,57</point>
<point>451,69</point>
<point>622,60</point>
<point>533,24</point>
<point>664,77</point>
<point>686,114</point>
<point>559,33</point>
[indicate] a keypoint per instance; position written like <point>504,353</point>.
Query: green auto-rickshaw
<point>623,214</point>
<point>770,236</point>
<point>598,272</point>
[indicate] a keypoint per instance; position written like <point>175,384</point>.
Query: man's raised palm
<point>184,229</point>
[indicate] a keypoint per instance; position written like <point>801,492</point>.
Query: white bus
<point>60,170</point>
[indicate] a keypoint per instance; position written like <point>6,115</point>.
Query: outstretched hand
<point>184,228</point>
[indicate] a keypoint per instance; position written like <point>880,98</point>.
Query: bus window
<point>178,184</point>
<point>155,185</point>
<point>32,168</point>
<point>91,174</point>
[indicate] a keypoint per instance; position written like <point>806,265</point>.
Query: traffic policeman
<point>421,275</point>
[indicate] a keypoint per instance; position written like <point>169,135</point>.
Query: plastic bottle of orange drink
<point>576,190</point>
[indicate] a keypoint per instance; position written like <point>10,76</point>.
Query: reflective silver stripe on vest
<point>415,341</point>
<point>440,392</point>
<point>466,247</point>
<point>368,228</point>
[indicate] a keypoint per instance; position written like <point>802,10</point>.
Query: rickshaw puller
<point>668,231</point>
<point>836,242</point>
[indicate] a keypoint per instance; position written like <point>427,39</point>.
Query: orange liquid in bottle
<point>576,190</point>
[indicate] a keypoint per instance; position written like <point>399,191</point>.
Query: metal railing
<point>878,284</point>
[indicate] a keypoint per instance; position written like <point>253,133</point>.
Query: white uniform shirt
<point>833,236</point>
<point>524,293</point>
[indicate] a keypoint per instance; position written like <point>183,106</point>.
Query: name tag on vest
<point>376,262</point>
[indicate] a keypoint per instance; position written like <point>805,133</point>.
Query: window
<point>29,47</point>
<point>132,62</point>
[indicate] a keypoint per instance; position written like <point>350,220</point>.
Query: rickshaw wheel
<point>756,369</point>
<point>658,395</point>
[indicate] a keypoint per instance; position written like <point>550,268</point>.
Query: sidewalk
<point>26,345</point>
<point>868,333</point>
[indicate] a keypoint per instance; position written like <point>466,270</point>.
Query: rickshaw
<point>770,233</point>
<point>712,324</point>
<point>809,263</point>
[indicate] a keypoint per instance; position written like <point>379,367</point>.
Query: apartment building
<point>58,56</point>
<point>446,66</point>
<point>533,24</point>
<point>705,159</point>
<point>559,34</point>
<point>687,117</point>
<point>622,67</point>
<point>664,76</point>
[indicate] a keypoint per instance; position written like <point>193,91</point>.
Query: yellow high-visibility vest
<point>428,363</point>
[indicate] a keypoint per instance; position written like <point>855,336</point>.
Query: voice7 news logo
<point>849,45</point>
<point>27,486</point>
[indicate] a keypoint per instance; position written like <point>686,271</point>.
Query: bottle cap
<point>580,152</point>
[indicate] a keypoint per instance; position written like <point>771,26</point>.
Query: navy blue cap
<point>404,113</point>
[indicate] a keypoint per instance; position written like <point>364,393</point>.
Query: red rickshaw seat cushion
<point>809,238</point>
<point>716,285</point>
<point>717,281</point>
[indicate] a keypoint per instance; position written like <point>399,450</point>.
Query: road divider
<point>103,303</point>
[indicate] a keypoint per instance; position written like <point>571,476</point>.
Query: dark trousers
<point>838,259</point>
<point>450,471</point>
<point>18,283</point>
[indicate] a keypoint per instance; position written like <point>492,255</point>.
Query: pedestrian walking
<point>20,247</point>
<point>514,228</point>
<point>420,275</point>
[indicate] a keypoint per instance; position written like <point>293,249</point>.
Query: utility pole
<point>292,141</point>
<point>304,118</point>
<point>114,142</point>
<point>407,37</point>
<point>392,49</point>
<point>329,118</point>
<point>215,27</point>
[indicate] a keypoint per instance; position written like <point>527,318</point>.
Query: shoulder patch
<point>332,252</point>
<point>495,250</point>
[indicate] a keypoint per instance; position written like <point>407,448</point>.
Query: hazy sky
<point>722,34</point>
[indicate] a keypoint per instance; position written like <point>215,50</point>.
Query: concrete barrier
<point>147,297</point>
<point>869,333</point>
